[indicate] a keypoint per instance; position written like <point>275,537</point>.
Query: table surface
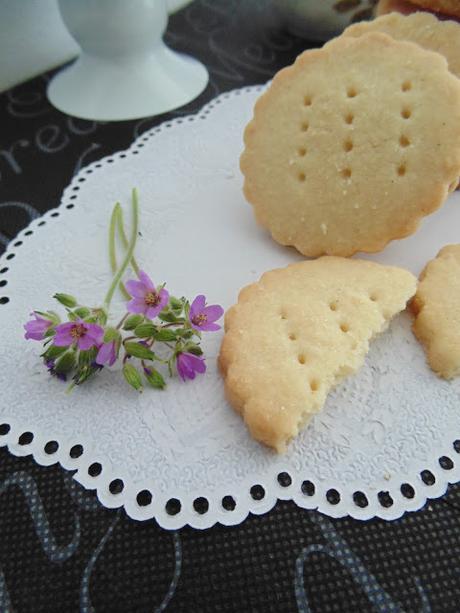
<point>61,551</point>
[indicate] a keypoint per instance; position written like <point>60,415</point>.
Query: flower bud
<point>175,303</point>
<point>66,300</point>
<point>154,378</point>
<point>167,316</point>
<point>184,333</point>
<point>100,316</point>
<point>133,321</point>
<point>193,348</point>
<point>164,335</point>
<point>111,334</point>
<point>52,316</point>
<point>145,330</point>
<point>82,312</point>
<point>132,376</point>
<point>137,350</point>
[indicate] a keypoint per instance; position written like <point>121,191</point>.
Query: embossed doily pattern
<point>387,439</point>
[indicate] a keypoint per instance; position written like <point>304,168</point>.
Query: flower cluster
<point>158,331</point>
<point>81,346</point>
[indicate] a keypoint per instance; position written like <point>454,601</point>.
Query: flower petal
<point>181,367</point>
<point>208,327</point>
<point>164,298</point>
<point>106,354</point>
<point>136,305</point>
<point>189,373</point>
<point>146,280</point>
<point>36,328</point>
<point>95,332</point>
<point>197,305</point>
<point>136,288</point>
<point>65,327</point>
<point>85,342</point>
<point>213,312</point>
<point>195,362</point>
<point>152,312</point>
<point>63,339</point>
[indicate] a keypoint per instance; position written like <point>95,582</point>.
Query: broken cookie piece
<point>436,306</point>
<point>300,330</point>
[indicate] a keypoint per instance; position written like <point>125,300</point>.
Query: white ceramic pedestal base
<point>132,87</point>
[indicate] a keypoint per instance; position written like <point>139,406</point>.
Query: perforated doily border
<point>225,507</point>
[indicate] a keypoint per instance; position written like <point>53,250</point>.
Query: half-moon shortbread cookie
<point>436,306</point>
<point>297,332</point>
<point>421,28</point>
<point>353,144</point>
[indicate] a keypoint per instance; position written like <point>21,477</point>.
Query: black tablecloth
<point>61,551</point>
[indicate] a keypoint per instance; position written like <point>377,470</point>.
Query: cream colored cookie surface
<point>437,312</point>
<point>352,145</point>
<point>421,28</point>
<point>297,332</point>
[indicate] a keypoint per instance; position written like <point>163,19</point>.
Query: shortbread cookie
<point>437,312</point>
<point>421,28</point>
<point>352,145</point>
<point>297,332</point>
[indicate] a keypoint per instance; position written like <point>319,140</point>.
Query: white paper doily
<point>388,437</point>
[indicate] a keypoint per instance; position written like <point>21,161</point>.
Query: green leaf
<point>65,363</point>
<point>155,378</point>
<point>71,316</point>
<point>132,376</point>
<point>193,349</point>
<point>139,351</point>
<point>111,334</point>
<point>133,321</point>
<point>82,312</point>
<point>145,330</point>
<point>66,300</point>
<point>50,332</point>
<point>53,352</point>
<point>164,335</point>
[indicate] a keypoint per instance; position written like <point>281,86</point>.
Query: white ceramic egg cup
<point>125,71</point>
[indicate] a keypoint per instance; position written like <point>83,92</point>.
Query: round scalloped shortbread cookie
<point>421,28</point>
<point>436,306</point>
<point>353,144</point>
<point>297,332</point>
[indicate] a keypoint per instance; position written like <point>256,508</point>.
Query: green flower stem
<point>122,321</point>
<point>112,254</point>
<point>124,240</point>
<point>112,227</point>
<point>129,254</point>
